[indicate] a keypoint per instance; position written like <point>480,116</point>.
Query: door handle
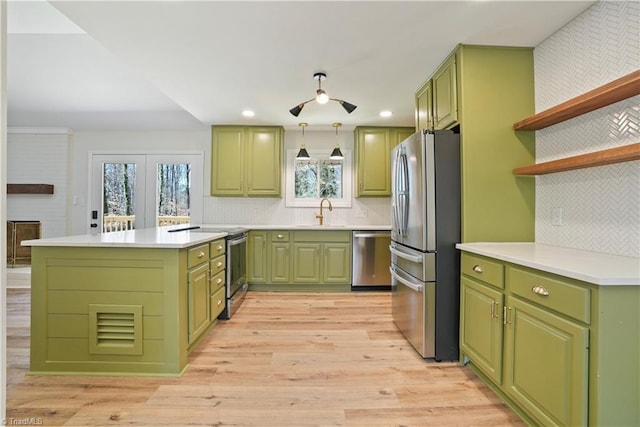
<point>412,286</point>
<point>414,258</point>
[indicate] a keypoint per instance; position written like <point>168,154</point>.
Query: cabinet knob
<point>540,290</point>
<point>219,248</point>
<point>219,302</point>
<point>477,268</point>
<point>219,281</point>
<point>280,236</point>
<point>219,264</point>
<point>200,254</point>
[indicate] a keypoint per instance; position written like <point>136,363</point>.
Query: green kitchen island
<point>123,303</point>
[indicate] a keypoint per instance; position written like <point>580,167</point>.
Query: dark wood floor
<point>284,359</point>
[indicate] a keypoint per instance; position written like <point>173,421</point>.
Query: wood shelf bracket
<point>612,92</point>
<point>625,153</point>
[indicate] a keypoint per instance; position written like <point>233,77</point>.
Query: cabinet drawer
<point>217,303</point>
<point>217,282</point>
<point>561,296</point>
<point>197,255</point>
<point>216,248</point>
<point>481,268</point>
<point>217,265</point>
<point>279,236</point>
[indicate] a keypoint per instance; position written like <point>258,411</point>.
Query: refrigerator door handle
<point>413,286</point>
<point>395,207</point>
<point>404,169</point>
<point>414,258</point>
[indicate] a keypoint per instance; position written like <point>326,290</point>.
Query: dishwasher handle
<point>357,235</point>
<point>413,286</point>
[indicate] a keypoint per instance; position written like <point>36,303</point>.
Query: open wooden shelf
<point>29,188</point>
<point>626,153</point>
<point>617,90</point>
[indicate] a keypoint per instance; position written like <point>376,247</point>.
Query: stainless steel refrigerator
<point>425,221</point>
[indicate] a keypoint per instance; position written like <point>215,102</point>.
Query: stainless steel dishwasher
<point>371,260</point>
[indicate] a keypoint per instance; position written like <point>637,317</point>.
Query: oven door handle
<point>413,286</point>
<point>415,258</point>
<point>237,241</point>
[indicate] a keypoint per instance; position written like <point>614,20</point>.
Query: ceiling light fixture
<point>322,98</point>
<point>385,113</point>
<point>248,113</point>
<point>336,154</point>
<point>303,154</point>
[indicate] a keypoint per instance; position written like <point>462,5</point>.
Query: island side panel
<point>108,311</point>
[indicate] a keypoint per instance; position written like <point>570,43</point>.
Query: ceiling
<point>165,65</point>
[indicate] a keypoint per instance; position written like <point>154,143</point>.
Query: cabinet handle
<point>506,314</point>
<point>494,309</point>
<point>201,254</point>
<point>540,290</point>
<point>219,248</point>
<point>219,264</point>
<point>219,281</point>
<point>219,302</point>
<point>477,268</point>
<point>280,236</point>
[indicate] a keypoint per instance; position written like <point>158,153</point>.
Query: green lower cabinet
<point>257,257</point>
<point>299,260</point>
<point>559,351</point>
<point>306,262</point>
<point>198,297</point>
<point>280,262</point>
<point>546,364</point>
<point>336,263</point>
<point>481,327</point>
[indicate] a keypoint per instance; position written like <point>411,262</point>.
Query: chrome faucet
<point>321,217</point>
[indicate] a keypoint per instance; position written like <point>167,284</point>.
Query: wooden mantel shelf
<point>617,90</point>
<point>29,188</point>
<point>626,153</point>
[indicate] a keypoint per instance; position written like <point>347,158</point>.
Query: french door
<point>131,191</point>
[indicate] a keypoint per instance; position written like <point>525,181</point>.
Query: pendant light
<point>303,154</point>
<point>336,154</point>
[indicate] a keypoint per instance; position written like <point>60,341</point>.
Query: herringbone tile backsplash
<point>601,205</point>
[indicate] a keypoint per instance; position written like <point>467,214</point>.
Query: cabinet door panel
<point>198,300</point>
<point>336,263</point>
<point>373,151</point>
<point>481,327</point>
<point>227,167</point>
<point>306,262</point>
<point>445,103</point>
<point>424,109</point>
<point>546,364</point>
<point>263,161</point>
<point>257,257</point>
<point>280,263</point>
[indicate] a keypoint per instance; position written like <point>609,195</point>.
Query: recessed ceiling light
<point>385,113</point>
<point>248,113</point>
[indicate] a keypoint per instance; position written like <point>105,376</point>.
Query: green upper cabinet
<point>445,100</point>
<point>424,106</point>
<point>373,158</point>
<point>482,91</point>
<point>246,160</point>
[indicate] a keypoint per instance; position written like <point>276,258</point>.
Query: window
<point>309,181</point>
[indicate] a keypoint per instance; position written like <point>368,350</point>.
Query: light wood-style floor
<point>284,359</point>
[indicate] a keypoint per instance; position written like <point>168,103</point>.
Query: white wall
<point>601,205</point>
<point>40,157</point>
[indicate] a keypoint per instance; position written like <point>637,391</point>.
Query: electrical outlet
<point>556,216</point>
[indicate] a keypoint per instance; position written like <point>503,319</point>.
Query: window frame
<point>347,179</point>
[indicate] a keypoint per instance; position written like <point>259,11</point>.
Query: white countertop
<point>139,238</point>
<point>592,267</point>
<point>161,238</point>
